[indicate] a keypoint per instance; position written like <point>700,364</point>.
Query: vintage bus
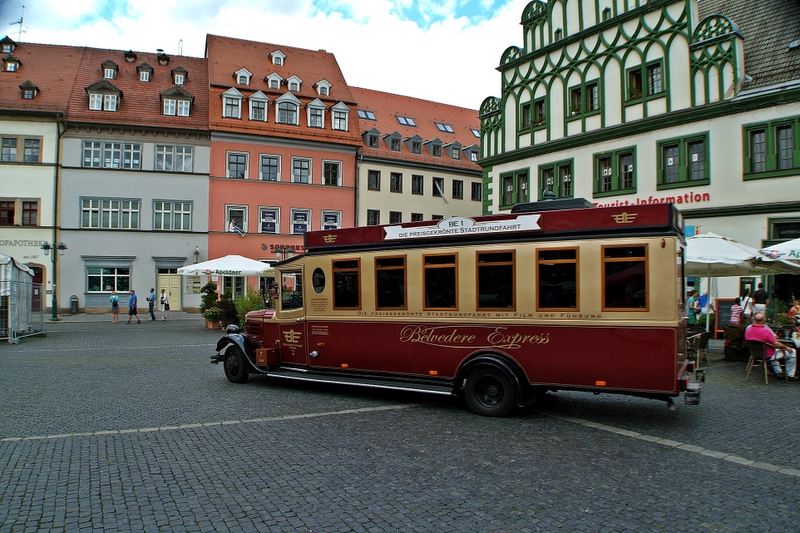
<point>556,295</point>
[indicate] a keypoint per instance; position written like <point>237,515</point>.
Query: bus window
<point>440,282</point>
<point>346,294</point>
<point>625,277</point>
<point>558,278</point>
<point>390,282</point>
<point>291,290</point>
<point>496,280</point>
<point>318,280</point>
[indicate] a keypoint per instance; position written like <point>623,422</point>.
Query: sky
<point>441,50</point>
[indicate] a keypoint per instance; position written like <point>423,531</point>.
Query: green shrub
<point>228,308</point>
<point>209,298</point>
<point>244,304</point>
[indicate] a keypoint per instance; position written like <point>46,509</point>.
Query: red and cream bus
<point>556,295</point>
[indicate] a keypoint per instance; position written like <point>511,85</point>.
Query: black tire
<point>489,392</point>
<point>235,366</point>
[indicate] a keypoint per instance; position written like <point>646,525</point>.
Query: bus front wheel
<point>234,364</point>
<point>489,392</point>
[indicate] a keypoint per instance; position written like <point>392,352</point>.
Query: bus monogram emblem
<point>292,336</point>
<point>624,218</point>
<point>329,238</point>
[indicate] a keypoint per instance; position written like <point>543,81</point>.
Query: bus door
<point>292,328</point>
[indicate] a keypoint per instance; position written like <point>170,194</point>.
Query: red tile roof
<point>141,103</point>
<point>52,69</point>
<point>227,55</point>
<point>387,107</point>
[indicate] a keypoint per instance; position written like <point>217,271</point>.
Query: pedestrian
<point>114,307</point>
<point>164,304</point>
<point>736,311</point>
<point>760,300</point>
<point>694,308</point>
<point>132,312</point>
<point>747,307</point>
<point>151,303</point>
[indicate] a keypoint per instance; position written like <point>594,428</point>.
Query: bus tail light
<point>599,383</point>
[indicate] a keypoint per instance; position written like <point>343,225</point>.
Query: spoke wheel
<point>235,369</point>
<point>489,392</point>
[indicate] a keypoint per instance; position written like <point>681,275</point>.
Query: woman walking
<point>114,307</point>
<point>164,304</point>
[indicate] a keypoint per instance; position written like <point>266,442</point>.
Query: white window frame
<point>144,75</point>
<point>258,98</point>
<point>277,210</point>
<point>329,215</point>
<point>228,164</point>
<point>95,101</point>
<point>112,154</point>
<point>339,172</point>
<point>310,169</point>
<point>340,117</point>
<point>261,166</point>
<point>278,58</point>
<point>110,102</point>
<point>102,212</point>
<point>180,79</point>
<point>244,218</point>
<point>294,222</point>
<point>174,210</point>
<point>232,104</point>
<point>280,119</point>
<point>311,115</point>
<point>109,73</point>
<point>169,106</point>
<point>174,158</point>
<point>184,108</point>
<point>256,104</point>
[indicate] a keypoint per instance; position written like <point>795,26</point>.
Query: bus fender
<point>245,345</point>
<point>501,363</point>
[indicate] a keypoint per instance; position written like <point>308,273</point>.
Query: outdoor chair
<point>698,346</point>
<point>758,356</point>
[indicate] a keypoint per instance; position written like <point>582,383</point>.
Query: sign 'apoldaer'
<point>464,226</point>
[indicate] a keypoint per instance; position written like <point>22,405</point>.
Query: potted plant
<point>212,315</point>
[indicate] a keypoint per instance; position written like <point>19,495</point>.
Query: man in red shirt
<point>759,331</point>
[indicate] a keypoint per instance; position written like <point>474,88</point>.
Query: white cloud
<point>451,61</point>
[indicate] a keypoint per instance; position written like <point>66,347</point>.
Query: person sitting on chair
<point>773,350</point>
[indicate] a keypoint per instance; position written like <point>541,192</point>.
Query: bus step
<point>361,381</point>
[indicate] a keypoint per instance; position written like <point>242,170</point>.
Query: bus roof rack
<point>551,205</point>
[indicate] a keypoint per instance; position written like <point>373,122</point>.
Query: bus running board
<point>427,388</point>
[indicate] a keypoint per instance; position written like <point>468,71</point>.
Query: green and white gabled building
<point>695,102</point>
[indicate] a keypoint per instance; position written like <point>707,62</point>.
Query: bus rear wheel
<point>489,392</point>
<point>235,369</point>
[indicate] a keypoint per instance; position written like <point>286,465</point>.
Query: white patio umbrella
<point>230,265</point>
<point>714,256</point>
<point>789,250</point>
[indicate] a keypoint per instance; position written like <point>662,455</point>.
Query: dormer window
<point>11,64</point>
<point>179,75</point>
<point>278,58</point>
<point>130,56</point>
<point>103,96</point>
<point>316,114</point>
<point>258,106</point>
<point>455,153</point>
<point>243,76</point>
<point>109,69</point>
<point>29,90</point>
<point>294,84</point>
<point>323,87</point>
<point>145,72</point>
<point>341,114</point>
<point>406,121</point>
<point>393,141</point>
<point>163,58</point>
<point>372,141</point>
<point>473,156</point>
<point>7,45</point>
<point>177,101</point>
<point>371,138</point>
<point>232,103</point>
<point>287,109</point>
<point>414,144</point>
<point>274,81</point>
<point>435,147</point>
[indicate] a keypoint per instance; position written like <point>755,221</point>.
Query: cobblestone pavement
<point>115,427</point>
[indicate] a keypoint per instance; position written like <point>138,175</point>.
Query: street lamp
<point>61,247</point>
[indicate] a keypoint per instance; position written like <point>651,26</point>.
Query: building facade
<point>134,177</point>
<point>625,102</point>
<point>35,84</point>
<point>283,149</point>
<point>418,160</point>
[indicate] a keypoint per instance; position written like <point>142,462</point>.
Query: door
<point>293,335</point>
<point>172,283</point>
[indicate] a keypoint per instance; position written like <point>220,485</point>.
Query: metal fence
<point>21,309</point>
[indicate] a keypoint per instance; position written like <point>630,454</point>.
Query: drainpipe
<point>62,129</point>
<point>358,171</point>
